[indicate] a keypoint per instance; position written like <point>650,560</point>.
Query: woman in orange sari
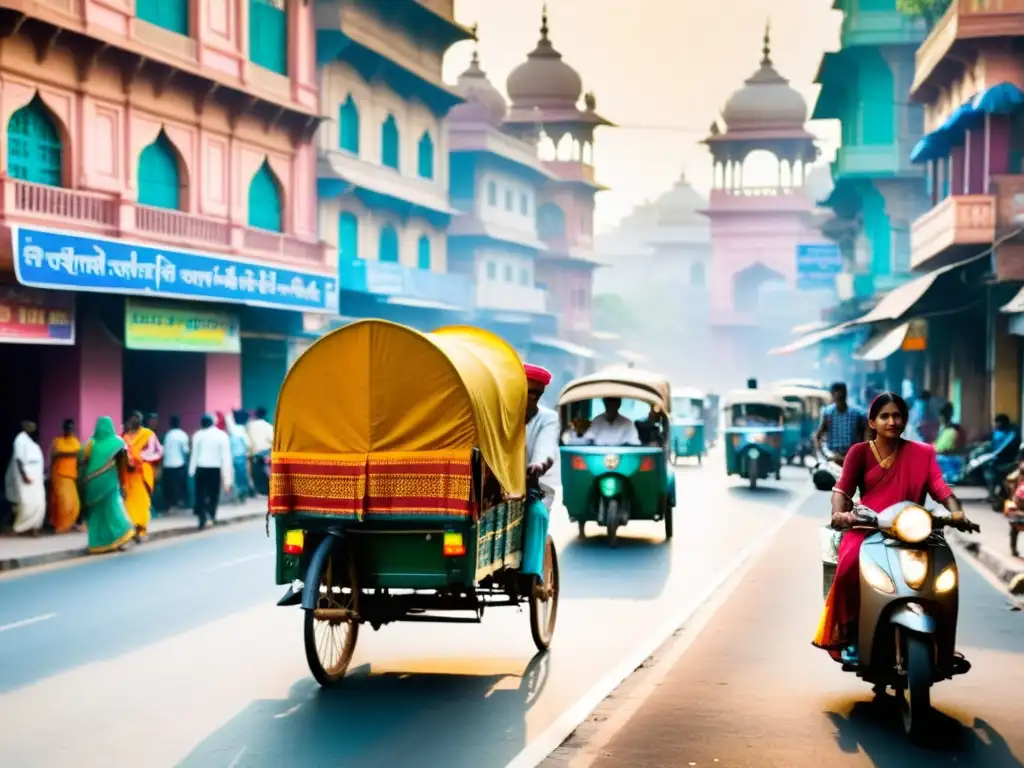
<point>64,502</point>
<point>139,477</point>
<point>887,470</point>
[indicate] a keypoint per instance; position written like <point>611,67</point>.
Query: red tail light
<point>578,462</point>
<point>647,465</point>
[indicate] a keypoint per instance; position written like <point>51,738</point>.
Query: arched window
<point>423,258</point>
<point>265,206</point>
<point>348,238</point>
<point>697,276</point>
<point>492,193</point>
<point>348,126</point>
<point>550,222</point>
<point>268,34</point>
<point>172,15</point>
<point>34,150</point>
<point>492,270</point>
<point>524,276</point>
<point>388,250</point>
<point>159,175</point>
<point>389,143</point>
<point>425,156</point>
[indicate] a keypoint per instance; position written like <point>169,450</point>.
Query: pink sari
<point>913,474</point>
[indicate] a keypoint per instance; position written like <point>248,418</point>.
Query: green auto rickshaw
<point>802,419</point>
<point>615,484</point>
<point>688,437</point>
<point>753,434</point>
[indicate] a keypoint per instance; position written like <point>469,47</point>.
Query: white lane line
<point>238,758</point>
<point>26,622</point>
<point>538,750</point>
<point>238,561</point>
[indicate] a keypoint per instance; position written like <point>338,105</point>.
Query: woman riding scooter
<point>886,470</point>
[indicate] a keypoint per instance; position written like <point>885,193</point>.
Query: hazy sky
<point>666,63</point>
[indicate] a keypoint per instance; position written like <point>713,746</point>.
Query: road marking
<point>238,561</point>
<point>538,750</point>
<point>26,622</point>
<point>238,758</point>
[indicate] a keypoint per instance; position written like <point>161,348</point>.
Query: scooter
<point>909,600</point>
<point>827,470</point>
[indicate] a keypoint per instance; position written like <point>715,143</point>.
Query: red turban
<point>538,374</point>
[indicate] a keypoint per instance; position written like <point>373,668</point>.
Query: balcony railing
<point>511,297</point>
<point>110,216</point>
<point>959,220</point>
<point>964,20</point>
<point>163,39</point>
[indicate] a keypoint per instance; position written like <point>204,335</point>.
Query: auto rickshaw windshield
<point>755,415</point>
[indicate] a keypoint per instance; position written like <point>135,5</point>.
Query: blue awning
<point>1001,99</point>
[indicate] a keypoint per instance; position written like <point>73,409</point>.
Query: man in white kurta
<point>611,428</point>
<point>541,430</point>
<point>25,481</point>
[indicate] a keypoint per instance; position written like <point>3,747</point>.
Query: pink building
<point>757,224</point>
<point>159,206</point>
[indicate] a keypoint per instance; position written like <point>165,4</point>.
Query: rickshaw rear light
<point>578,462</point>
<point>293,542</point>
<point>453,544</point>
<point>647,465</point>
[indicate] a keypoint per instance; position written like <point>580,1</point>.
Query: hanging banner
<point>172,329</point>
<point>36,317</point>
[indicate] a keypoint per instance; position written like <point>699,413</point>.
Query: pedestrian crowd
<point>112,484</point>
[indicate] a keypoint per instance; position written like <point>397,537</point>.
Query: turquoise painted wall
<point>264,365</point>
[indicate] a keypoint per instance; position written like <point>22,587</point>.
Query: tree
<point>929,10</point>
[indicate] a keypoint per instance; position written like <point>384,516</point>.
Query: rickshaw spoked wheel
<point>544,600</point>
<point>330,643</point>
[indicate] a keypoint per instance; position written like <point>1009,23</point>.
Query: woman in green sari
<point>109,525</point>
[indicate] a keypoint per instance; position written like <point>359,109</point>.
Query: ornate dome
<point>483,102</point>
<point>681,205</point>
<point>766,100</point>
<point>544,80</point>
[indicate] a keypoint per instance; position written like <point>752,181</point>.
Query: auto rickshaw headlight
<point>610,486</point>
<point>913,525</point>
<point>914,564</point>
<point>876,577</point>
<point>946,580</point>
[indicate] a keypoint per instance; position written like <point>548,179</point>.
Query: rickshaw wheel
<point>544,600</point>
<point>668,521</point>
<point>582,527</point>
<point>332,631</point>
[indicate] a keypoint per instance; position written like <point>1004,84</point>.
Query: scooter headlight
<point>946,580</point>
<point>913,525</point>
<point>914,564</point>
<point>876,577</point>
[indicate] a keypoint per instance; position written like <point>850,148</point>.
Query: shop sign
<point>35,317</point>
<point>916,339</point>
<point>817,266</point>
<point>63,261</point>
<point>172,329</point>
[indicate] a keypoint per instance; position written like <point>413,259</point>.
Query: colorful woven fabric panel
<point>386,484</point>
<point>428,483</point>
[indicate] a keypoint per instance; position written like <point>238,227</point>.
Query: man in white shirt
<point>212,468</point>
<point>541,430</point>
<point>611,428</point>
<point>261,443</point>
<point>25,482</point>
<point>175,476</point>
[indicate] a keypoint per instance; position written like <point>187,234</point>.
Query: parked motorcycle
<point>909,599</point>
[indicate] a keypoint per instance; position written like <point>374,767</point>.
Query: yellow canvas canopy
<point>379,387</point>
<point>627,383</point>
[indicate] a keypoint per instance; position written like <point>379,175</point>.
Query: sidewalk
<point>991,546</point>
<point>24,552</point>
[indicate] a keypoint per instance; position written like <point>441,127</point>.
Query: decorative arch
<point>348,126</point>
<point>266,200</point>
<point>348,237</point>
<point>424,258</point>
<point>550,222</point>
<point>425,156</point>
<point>747,285</point>
<point>35,144</point>
<point>388,249</point>
<point>389,143</point>
<point>159,174</point>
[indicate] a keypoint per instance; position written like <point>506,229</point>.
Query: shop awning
<point>564,346</point>
<point>883,344</point>
<point>813,338</point>
<point>409,301</point>
<point>1014,305</point>
<point>1000,99</point>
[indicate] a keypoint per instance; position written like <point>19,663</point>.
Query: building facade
<point>158,204</point>
<point>382,166</point>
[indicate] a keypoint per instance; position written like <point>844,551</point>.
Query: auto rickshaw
<point>753,434</point>
<point>398,487</point>
<point>802,420</point>
<point>688,435</point>
<point>613,485</point>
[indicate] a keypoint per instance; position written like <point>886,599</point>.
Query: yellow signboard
<point>173,329</point>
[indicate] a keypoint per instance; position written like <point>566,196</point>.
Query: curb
<point>47,558</point>
<point>1001,566</point>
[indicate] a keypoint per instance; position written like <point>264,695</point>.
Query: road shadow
<point>764,494</point>
<point>875,728</point>
<point>435,719</point>
<point>637,569</point>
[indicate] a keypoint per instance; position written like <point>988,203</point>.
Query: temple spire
<point>766,60</point>
<point>544,22</point>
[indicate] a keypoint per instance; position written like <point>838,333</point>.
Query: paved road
<point>176,654</point>
<point>752,691</point>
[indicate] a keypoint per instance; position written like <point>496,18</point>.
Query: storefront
<point>153,330</point>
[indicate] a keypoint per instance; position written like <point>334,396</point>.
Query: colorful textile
<point>64,503</point>
<point>912,474</point>
<point>107,519</point>
<point>139,476</point>
<point>427,483</point>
